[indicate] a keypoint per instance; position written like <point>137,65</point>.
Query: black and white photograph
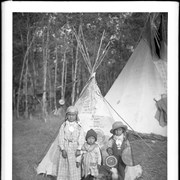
<point>90,91</point>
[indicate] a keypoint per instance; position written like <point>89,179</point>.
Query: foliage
<point>122,30</point>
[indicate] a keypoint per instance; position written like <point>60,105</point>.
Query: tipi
<point>93,109</point>
<point>133,92</point>
<point>93,112</point>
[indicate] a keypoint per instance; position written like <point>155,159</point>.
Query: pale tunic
<point>118,140</point>
<point>91,158</point>
<point>71,138</point>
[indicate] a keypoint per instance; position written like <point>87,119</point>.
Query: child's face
<point>71,117</point>
<point>118,131</point>
<point>91,140</point>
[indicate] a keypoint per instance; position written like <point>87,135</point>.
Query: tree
<point>48,58</point>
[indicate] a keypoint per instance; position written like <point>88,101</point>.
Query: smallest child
<point>91,156</point>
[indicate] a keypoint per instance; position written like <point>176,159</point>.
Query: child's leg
<point>88,177</point>
<point>121,169</point>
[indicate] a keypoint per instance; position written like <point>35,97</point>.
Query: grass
<point>31,137</point>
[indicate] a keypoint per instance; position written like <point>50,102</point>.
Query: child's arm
<point>78,159</point>
<point>99,156</point>
<point>61,141</point>
<point>61,137</point>
<point>81,139</point>
<point>109,147</point>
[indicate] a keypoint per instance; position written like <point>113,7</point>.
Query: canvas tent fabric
<point>161,63</point>
<point>93,112</point>
<point>161,66</point>
<point>161,104</point>
<point>49,164</point>
<point>132,93</point>
<point>93,109</point>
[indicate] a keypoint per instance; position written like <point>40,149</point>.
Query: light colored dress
<point>71,138</point>
<point>91,158</point>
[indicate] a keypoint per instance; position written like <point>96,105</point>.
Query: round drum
<point>111,161</point>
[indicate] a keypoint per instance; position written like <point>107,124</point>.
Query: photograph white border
<point>107,6</point>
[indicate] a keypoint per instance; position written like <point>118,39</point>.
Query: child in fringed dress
<point>71,139</point>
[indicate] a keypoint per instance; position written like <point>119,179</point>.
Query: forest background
<point>48,63</point>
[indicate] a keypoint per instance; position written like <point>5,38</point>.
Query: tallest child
<point>71,139</point>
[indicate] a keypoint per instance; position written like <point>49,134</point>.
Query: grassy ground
<point>31,137</point>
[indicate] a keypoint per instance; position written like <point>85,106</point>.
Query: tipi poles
<point>83,53</point>
<point>97,57</point>
<point>142,30</point>
<point>102,56</point>
<point>85,47</point>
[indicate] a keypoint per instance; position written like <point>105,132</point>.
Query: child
<point>117,143</point>
<point>91,156</point>
<point>71,139</point>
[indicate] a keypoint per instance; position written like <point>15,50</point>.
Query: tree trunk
<point>65,77</point>
<point>21,77</point>
<point>50,88</point>
<point>44,99</point>
<point>75,76</point>
<point>55,78</point>
<point>62,76</point>
<point>14,100</point>
<point>79,79</point>
<point>26,79</point>
<point>26,90</point>
<point>34,72</point>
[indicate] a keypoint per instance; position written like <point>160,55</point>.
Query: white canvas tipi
<point>93,113</point>
<point>133,92</point>
<point>93,110</point>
